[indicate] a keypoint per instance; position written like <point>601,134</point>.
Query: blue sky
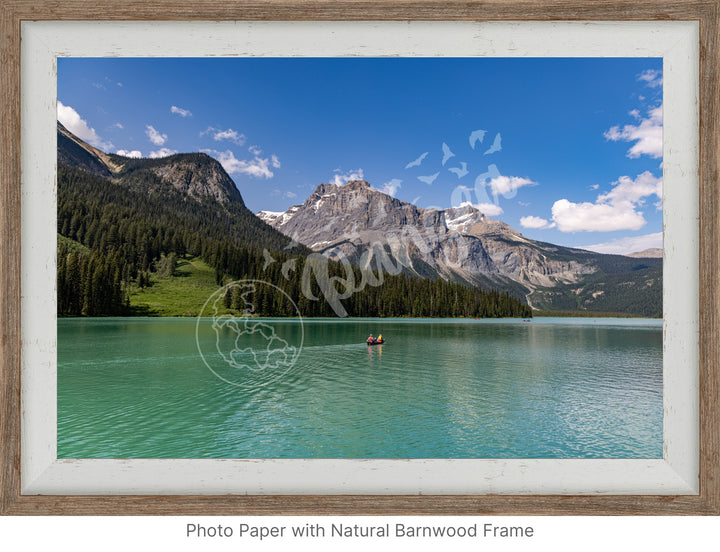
<point>578,142</point>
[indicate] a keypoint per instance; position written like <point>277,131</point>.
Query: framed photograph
<point>360,258</point>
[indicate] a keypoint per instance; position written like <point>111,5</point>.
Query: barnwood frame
<point>705,12</point>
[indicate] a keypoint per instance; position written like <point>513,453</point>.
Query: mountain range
<point>463,244</point>
<point>159,237</point>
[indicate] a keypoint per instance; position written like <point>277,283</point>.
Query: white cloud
<point>631,244</point>
<point>256,167</point>
<point>508,185</point>
<point>275,161</point>
<point>125,153</point>
<point>289,195</point>
<point>391,187</point>
<point>340,179</point>
<point>162,152</point>
<point>117,125</point>
<point>613,210</point>
<point>72,121</point>
<point>594,186</point>
<point>229,134</point>
<point>633,191</point>
<point>593,217</point>
<point>647,135</point>
<point>536,223</point>
<point>180,111</point>
<point>255,150</point>
<point>489,209</point>
<point>651,77</point>
<point>155,137</point>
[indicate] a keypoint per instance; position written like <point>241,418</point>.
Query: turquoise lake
<point>549,388</point>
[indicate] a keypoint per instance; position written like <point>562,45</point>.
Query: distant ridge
<point>651,253</point>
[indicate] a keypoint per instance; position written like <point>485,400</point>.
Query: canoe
<point>375,342</point>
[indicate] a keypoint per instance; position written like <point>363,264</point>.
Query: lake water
<point>550,388</point>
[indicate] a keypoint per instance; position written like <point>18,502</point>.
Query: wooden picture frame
<point>705,12</point>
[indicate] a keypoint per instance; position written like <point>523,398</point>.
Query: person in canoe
<point>370,339</point>
<point>373,341</point>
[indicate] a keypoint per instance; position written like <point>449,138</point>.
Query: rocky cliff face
<point>197,175</point>
<point>528,261</point>
<point>457,243</point>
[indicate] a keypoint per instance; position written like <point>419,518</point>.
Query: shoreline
<point>355,318</point>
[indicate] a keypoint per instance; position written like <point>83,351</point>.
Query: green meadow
<point>182,294</point>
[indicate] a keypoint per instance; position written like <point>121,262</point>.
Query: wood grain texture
<point>710,259</point>
<point>707,12</point>
<point>361,10</point>
<point>9,257</point>
<point>361,505</point>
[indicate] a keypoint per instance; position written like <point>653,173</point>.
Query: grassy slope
<point>183,294</point>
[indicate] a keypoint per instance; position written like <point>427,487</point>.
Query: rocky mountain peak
<point>356,185</point>
<point>324,188</point>
<point>350,186</point>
